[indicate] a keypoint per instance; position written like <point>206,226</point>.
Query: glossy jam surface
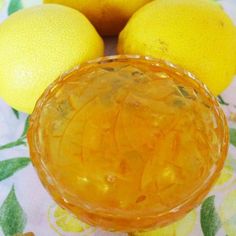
<point>128,143</point>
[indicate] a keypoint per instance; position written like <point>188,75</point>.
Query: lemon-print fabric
<point>27,209</point>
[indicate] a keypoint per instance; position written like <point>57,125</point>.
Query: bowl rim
<point>185,206</point>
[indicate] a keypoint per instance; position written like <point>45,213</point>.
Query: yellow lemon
<point>108,16</point>
<point>62,221</point>
<point>37,45</point>
<point>182,227</point>
<point>198,35</point>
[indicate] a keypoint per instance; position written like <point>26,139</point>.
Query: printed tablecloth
<point>25,206</point>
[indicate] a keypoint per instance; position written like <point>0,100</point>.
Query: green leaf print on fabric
<point>17,114</point>
<point>232,162</point>
<point>26,127</point>
<point>19,141</point>
<point>232,133</point>
<point>221,101</point>
<point>14,6</point>
<point>9,167</point>
<point>210,221</point>
<point>12,216</point>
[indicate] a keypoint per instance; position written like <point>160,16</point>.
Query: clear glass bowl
<point>128,143</point>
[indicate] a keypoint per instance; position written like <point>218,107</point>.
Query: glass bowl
<point>128,143</point>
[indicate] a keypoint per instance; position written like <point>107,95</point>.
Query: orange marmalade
<point>128,143</point>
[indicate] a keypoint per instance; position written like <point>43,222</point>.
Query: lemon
<point>37,45</point>
<point>108,16</point>
<point>198,35</point>
<point>62,221</point>
<point>182,227</point>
